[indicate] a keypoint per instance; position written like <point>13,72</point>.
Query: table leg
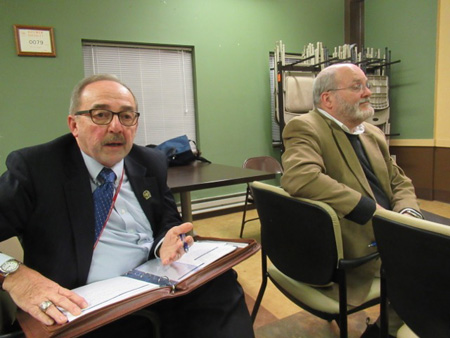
<point>186,207</point>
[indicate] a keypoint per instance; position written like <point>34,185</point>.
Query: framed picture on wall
<point>34,41</point>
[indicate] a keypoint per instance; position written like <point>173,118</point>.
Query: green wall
<point>408,28</point>
<point>232,40</point>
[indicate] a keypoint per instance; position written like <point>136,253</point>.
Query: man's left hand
<point>172,247</point>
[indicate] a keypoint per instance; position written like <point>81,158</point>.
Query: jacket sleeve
<point>16,197</point>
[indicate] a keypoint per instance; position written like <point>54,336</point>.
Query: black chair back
<point>297,236</point>
<point>416,264</point>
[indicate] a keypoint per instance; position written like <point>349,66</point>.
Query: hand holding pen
<point>175,243</point>
<point>185,245</point>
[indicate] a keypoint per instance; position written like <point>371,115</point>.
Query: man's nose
<point>115,124</point>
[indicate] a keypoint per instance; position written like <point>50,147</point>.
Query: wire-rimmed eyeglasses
<point>105,116</point>
<point>357,87</point>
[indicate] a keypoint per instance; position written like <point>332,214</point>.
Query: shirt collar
<point>358,130</point>
<point>94,167</point>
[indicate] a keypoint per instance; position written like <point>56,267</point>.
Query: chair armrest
<point>347,264</point>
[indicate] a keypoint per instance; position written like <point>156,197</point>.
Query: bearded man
<point>332,155</point>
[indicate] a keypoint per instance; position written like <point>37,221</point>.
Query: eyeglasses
<point>105,116</point>
<point>354,88</point>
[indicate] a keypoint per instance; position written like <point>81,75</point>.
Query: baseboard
<point>220,212</point>
<point>217,205</point>
<point>425,193</point>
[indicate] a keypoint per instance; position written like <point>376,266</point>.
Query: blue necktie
<point>103,197</point>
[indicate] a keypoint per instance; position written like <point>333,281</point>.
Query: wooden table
<point>201,175</point>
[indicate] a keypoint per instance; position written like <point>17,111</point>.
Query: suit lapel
<point>81,213</point>
<point>376,159</point>
<point>144,186</point>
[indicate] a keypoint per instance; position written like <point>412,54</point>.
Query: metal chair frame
<point>264,163</point>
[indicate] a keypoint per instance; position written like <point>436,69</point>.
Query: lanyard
<point>111,208</point>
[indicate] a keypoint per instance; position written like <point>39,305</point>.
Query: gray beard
<point>354,113</point>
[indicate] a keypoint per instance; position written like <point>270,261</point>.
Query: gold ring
<point>45,305</point>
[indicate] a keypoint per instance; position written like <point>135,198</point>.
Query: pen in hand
<point>185,245</point>
<point>371,245</point>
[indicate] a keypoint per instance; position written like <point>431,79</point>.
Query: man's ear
<point>326,100</point>
<point>73,126</point>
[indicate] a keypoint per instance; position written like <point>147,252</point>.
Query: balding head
<point>341,90</point>
<point>330,78</point>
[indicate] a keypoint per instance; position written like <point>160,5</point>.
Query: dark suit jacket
<point>46,200</point>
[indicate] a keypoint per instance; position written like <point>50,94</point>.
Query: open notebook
<point>148,283</point>
<point>152,275</point>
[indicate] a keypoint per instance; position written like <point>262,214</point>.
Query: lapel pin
<point>146,194</point>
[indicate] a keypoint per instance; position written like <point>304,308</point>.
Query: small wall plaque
<point>34,41</point>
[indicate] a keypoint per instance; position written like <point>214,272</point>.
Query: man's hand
<point>28,289</point>
<point>172,246</point>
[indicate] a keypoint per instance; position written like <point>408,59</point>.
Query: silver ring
<point>45,305</point>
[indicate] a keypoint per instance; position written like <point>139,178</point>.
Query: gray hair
<point>75,100</point>
<point>325,81</point>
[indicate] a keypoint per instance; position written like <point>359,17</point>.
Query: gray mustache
<point>114,139</point>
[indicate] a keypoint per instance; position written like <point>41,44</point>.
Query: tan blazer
<point>320,163</point>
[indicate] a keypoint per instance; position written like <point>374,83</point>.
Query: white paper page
<point>235,244</point>
<point>200,255</point>
<point>109,291</point>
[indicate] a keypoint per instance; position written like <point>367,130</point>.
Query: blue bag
<point>180,151</point>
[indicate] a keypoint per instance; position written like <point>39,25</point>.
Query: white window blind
<point>161,78</point>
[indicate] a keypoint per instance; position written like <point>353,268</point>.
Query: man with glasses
<point>54,198</point>
<point>332,155</point>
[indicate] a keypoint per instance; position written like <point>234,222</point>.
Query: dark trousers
<point>216,309</point>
